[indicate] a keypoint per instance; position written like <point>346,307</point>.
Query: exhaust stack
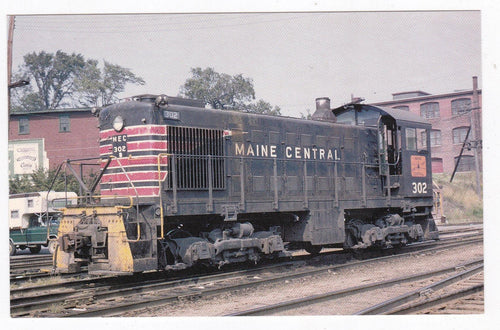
<point>323,111</point>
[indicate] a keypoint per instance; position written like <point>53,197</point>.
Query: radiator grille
<point>196,158</point>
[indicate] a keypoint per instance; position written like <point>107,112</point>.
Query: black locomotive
<point>183,185</point>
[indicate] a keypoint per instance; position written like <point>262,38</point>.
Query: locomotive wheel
<point>12,249</point>
<point>35,249</point>
<point>313,249</point>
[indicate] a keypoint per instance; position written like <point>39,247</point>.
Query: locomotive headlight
<point>118,123</point>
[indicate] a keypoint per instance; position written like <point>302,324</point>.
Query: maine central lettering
<point>289,152</point>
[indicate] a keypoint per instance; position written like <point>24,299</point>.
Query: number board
<point>120,146</point>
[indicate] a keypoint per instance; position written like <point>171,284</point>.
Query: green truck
<point>34,219</point>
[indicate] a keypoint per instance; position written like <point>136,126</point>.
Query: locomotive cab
<point>403,146</point>
<point>403,160</point>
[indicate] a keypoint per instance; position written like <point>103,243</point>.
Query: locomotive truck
<point>182,185</point>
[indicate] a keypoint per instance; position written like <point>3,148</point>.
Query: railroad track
<point>448,231</point>
<point>475,267</point>
<point>18,264</point>
<point>94,299</point>
<point>465,297</point>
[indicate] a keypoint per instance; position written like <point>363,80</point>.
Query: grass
<point>461,204</point>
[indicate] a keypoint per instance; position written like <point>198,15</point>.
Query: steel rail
<point>134,305</point>
<point>390,304</point>
<point>332,295</point>
<point>39,301</point>
<point>25,258</point>
<point>439,300</point>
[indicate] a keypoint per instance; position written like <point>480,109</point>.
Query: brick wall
<point>81,141</point>
<point>446,122</point>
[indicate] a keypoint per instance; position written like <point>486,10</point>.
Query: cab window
<point>416,139</point>
<point>411,139</point>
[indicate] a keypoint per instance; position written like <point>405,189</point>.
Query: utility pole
<point>9,49</point>
<point>475,135</point>
<point>10,84</point>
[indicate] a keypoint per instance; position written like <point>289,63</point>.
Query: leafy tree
<point>307,115</point>
<point>61,80</point>
<point>52,79</point>
<point>264,107</point>
<point>101,88</point>
<point>20,184</point>
<point>41,180</point>
<point>219,90</point>
<point>223,91</point>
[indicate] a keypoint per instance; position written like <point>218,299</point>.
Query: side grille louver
<point>196,153</point>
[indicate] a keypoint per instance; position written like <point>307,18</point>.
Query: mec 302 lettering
<point>419,187</point>
<point>120,145</point>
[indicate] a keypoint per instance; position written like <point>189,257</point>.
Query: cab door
<point>417,162</point>
<point>389,155</point>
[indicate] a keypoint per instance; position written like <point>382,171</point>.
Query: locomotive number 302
<point>419,187</point>
<point>120,145</point>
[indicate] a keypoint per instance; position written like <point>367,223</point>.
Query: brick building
<point>47,138</point>
<point>450,115</point>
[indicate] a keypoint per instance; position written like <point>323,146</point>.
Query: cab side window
<point>416,139</point>
<point>411,139</point>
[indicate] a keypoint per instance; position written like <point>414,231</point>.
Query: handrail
<point>136,194</point>
<point>101,197</point>
<point>159,190</point>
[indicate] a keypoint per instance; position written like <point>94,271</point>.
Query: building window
<point>402,107</point>
<point>437,165</point>
<point>459,134</point>
<point>64,123</point>
<point>460,106</point>
<point>24,126</point>
<point>435,138</point>
<point>466,163</point>
<point>14,214</point>
<point>429,110</point>
<point>30,203</point>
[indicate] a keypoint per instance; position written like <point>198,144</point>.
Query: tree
<point>41,180</point>
<point>223,91</point>
<point>61,80</point>
<point>264,107</point>
<point>219,90</point>
<point>52,79</point>
<point>307,115</point>
<point>101,88</point>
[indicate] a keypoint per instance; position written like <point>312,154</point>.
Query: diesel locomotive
<point>182,185</point>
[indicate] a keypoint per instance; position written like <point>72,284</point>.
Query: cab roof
<point>398,114</point>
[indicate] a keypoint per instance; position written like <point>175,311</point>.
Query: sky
<point>292,57</point>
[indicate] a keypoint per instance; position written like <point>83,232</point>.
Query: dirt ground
<point>358,275</point>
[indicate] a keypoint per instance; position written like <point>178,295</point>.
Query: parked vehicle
<point>34,219</point>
